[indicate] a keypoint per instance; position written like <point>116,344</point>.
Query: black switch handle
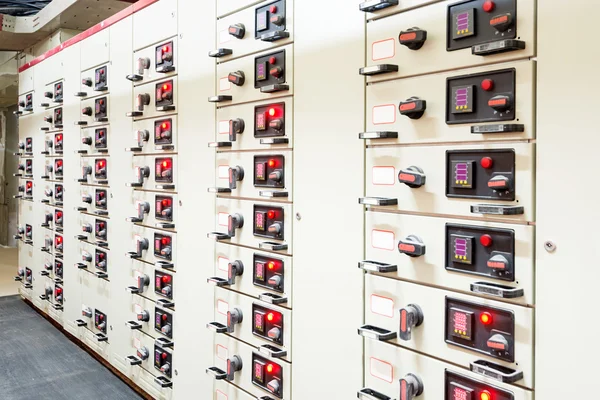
<point>413,38</point>
<point>410,317</point>
<point>412,246</point>
<point>411,386</point>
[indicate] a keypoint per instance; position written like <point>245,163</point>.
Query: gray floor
<point>39,362</point>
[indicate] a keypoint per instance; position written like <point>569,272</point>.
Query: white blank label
<point>221,395</point>
<point>384,114</point>
<point>224,84</point>
<point>223,172</point>
<point>383,239</point>
<point>224,127</point>
<point>384,175</point>
<point>222,307</point>
<point>383,49</point>
<point>382,306</point>
<point>222,352</point>
<point>382,370</point>
<point>224,219</point>
<point>223,264</point>
<point>224,36</point>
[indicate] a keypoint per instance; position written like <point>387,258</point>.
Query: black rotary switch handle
<point>142,64</point>
<point>141,174</point>
<point>412,176</point>
<point>413,38</point>
<point>410,317</point>
<point>236,127</point>
<point>413,107</point>
<point>141,244</point>
<point>411,386</point>
<point>234,221</point>
<point>238,78</point>
<point>143,281</point>
<point>412,246</point>
<point>143,207</point>
<point>234,364</point>
<point>234,269</point>
<point>236,174</point>
<point>501,102</point>
<point>234,316</point>
<point>238,31</point>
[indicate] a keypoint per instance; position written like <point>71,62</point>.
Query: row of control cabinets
<point>449,196</point>
<point>253,173</point>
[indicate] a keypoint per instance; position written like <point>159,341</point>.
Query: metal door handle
<point>378,69</point>
<point>378,135</point>
<point>496,371</point>
<point>370,394</point>
<point>376,266</point>
<point>272,351</point>
<point>496,290</point>
<point>376,333</point>
<point>378,201</point>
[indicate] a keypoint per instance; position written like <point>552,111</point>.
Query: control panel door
<point>154,209</point>
<point>262,226</point>
<point>264,325</point>
<point>154,172</point>
<point>454,106</point>
<point>262,125</point>
<point>94,82</point>
<point>154,99</point>
<point>265,276</point>
<point>489,181</point>
<point>94,140</point>
<point>157,135</point>
<point>458,328</point>
<point>225,391</point>
<point>450,35</point>
<point>263,26</point>
<point>147,380</point>
<point>154,62</point>
<point>262,76</point>
<point>264,175</point>
<point>391,370</point>
<point>485,258</point>
<point>153,246</point>
<point>259,375</point>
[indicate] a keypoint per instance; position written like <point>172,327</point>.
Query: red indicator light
<point>488,6</point>
<point>272,60</point>
<point>273,9</point>
<point>59,137</point>
<point>166,49</point>
<point>270,368</point>
<point>271,214</point>
<point>164,125</point>
<point>58,239</point>
<point>164,356</point>
<point>102,102</point>
<point>270,317</point>
<point>272,163</point>
<point>165,202</point>
<point>165,241</point>
<point>485,395</point>
<point>165,87</point>
<point>487,84</point>
<point>101,163</point>
<point>271,265</point>
<point>29,184</point>
<point>166,279</point>
<point>486,240</point>
<point>164,317</point>
<point>486,318</point>
<point>271,112</point>
<point>487,162</point>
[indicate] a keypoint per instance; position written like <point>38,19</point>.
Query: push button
<point>413,38</point>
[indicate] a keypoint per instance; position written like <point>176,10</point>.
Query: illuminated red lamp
<point>270,317</point>
<point>270,368</point>
<point>165,241</point>
<point>165,87</point>
<point>486,240</point>
<point>272,112</point>
<point>487,162</point>
<point>271,265</point>
<point>166,279</point>
<point>165,125</point>
<point>165,49</point>
<point>165,202</point>
<point>271,214</point>
<point>485,395</point>
<point>486,318</point>
<point>272,163</point>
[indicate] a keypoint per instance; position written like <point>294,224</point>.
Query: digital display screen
<point>462,249</point>
<point>259,368</point>
<point>462,172</point>
<point>261,121</point>
<point>462,99</point>
<point>463,23</point>
<point>260,171</point>
<point>259,271</point>
<point>462,323</point>
<point>261,21</point>
<point>259,322</point>
<point>460,392</point>
<point>260,218</point>
<point>261,71</point>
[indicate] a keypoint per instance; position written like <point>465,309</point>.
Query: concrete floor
<point>8,270</point>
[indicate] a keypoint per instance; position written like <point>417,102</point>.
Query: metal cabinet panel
<point>152,126</point>
<point>244,235</point>
<point>151,89</point>
<point>252,185</point>
<point>384,164</point>
<point>385,365</point>
<point>244,283</point>
<point>248,44</point>
<point>247,113</point>
<point>150,235</point>
<point>154,164</point>
<point>95,49</point>
<point>153,24</point>
<point>385,297</point>
<point>383,45</point>
<point>383,107</point>
<point>144,62</point>
<point>247,92</point>
<point>385,230</point>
